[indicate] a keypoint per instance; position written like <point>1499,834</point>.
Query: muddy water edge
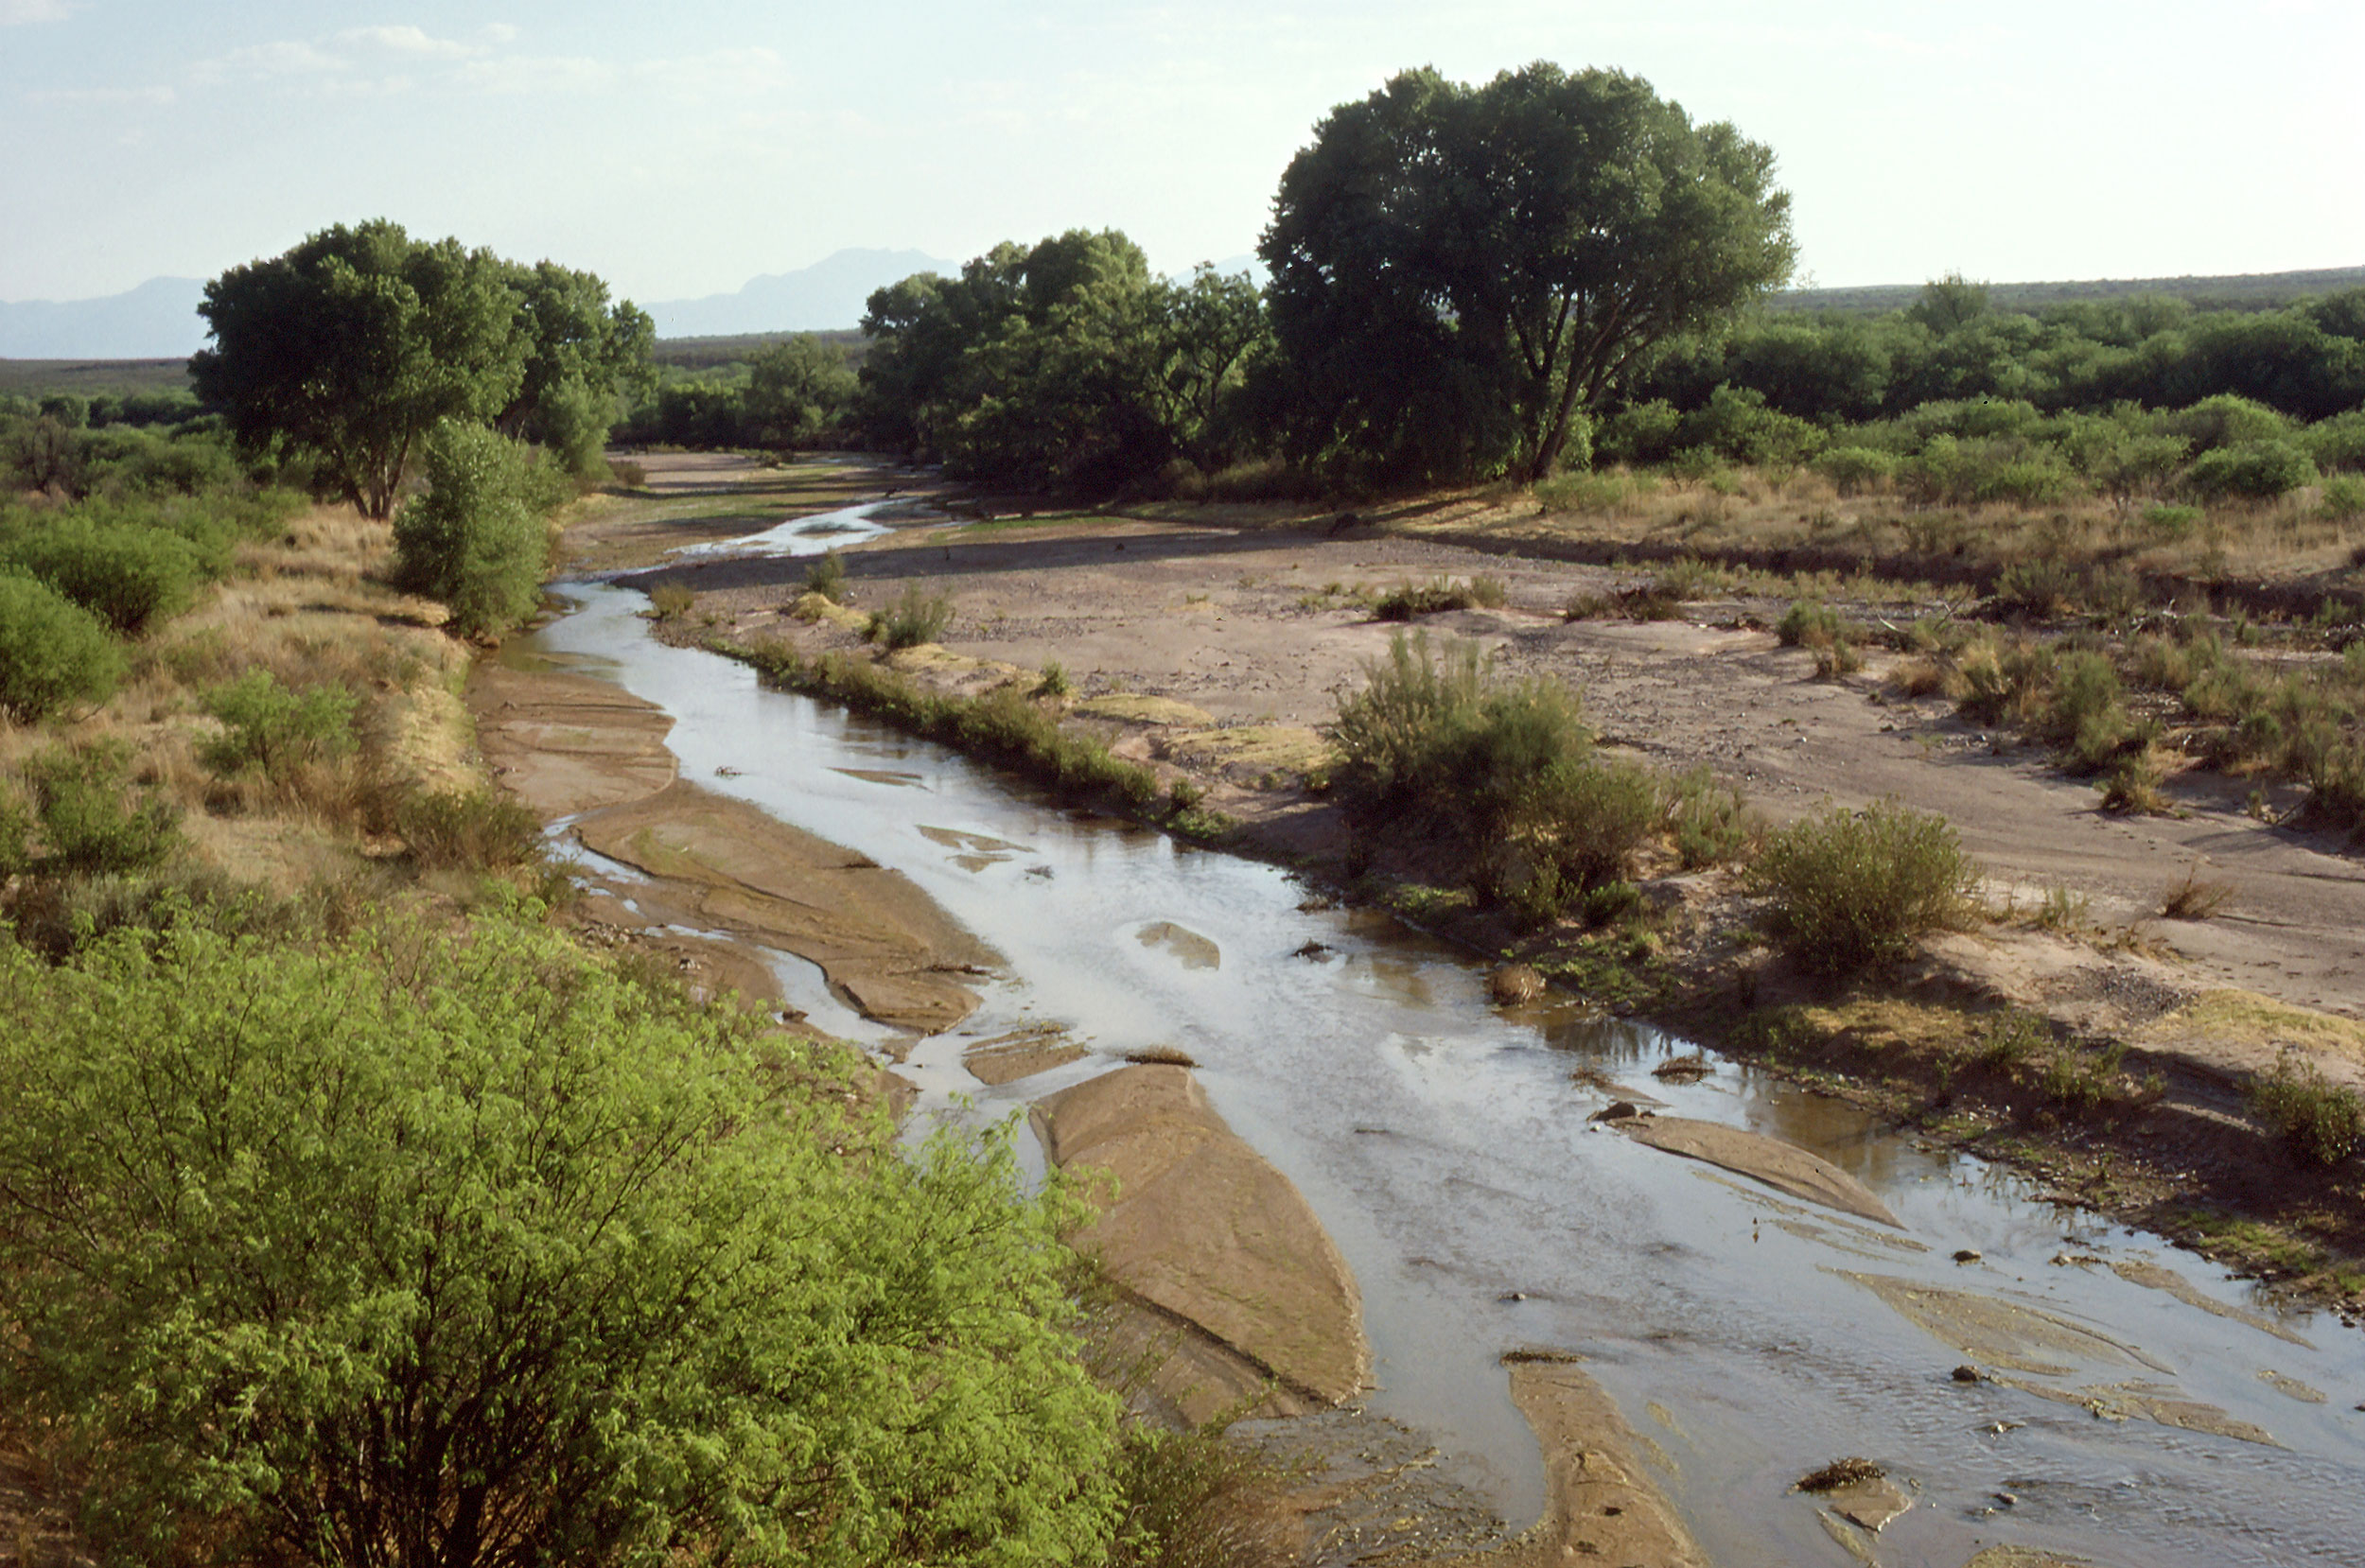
<point>2130,1406</point>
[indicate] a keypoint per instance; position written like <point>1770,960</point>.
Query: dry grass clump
<point>2193,900</point>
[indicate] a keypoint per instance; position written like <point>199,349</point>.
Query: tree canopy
<point>1458,273</point>
<point>429,1250</point>
<point>350,347</point>
<point>1066,365</point>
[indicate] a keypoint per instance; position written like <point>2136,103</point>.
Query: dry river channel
<point>2132,1407</point>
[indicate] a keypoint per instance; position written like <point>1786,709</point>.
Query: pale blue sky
<point>680,148</point>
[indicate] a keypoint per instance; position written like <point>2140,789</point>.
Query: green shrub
<point>2319,1121</point>
<point>93,822</point>
<point>1395,737</point>
<point>1590,821</point>
<point>1706,820</point>
<point>1851,891</point>
<point>2344,498</point>
<point>672,600</point>
<point>1053,681</point>
<point>274,729</point>
<point>2171,523</point>
<point>2085,712</point>
<point>1638,433</point>
<point>53,653</point>
<point>476,540</point>
<point>480,830</point>
<point>914,619</point>
<point>2226,420</point>
<point>1855,469</point>
<point>2338,443</point>
<point>311,1250</point>
<point>1810,623</point>
<point>2260,470</point>
<point>2040,589</point>
<point>827,577</point>
<point>1998,682</point>
<point>130,576</point>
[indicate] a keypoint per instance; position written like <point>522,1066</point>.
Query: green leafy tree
<point>454,1250</point>
<point>477,539</point>
<point>353,345</point>
<point>797,389</point>
<point>582,355</point>
<point>1458,272</point>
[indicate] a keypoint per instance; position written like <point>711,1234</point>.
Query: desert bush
<point>631,475</point>
<point>53,653</point>
<point>93,821</point>
<point>827,577</point>
<point>2319,1121</point>
<point>478,830</point>
<point>538,1239</point>
<point>274,729</point>
<point>129,575</point>
<point>1851,891</point>
<point>2171,523</point>
<point>672,600</point>
<point>914,618</point>
<point>1054,680</point>
<point>2343,497</point>
<point>1811,623</point>
<point>1408,601</point>
<point>2085,713</point>
<point>476,540</point>
<point>1607,492</point>
<point>1590,821</point>
<point>1996,682</point>
<point>2040,589</point>
<point>2260,470</point>
<point>1394,737</point>
<point>1853,470</point>
<point>1706,820</point>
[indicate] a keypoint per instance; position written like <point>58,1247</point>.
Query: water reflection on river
<point>1446,1144</point>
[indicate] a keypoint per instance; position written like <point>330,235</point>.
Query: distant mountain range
<point>829,294</point>
<point>159,320</point>
<point>156,321</point>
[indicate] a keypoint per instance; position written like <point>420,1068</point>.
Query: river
<point>1444,1143</point>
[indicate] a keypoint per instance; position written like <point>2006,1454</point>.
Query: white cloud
<point>511,74</point>
<point>499,32</point>
<point>290,58</point>
<point>408,39</point>
<point>749,70</point>
<point>14,12</point>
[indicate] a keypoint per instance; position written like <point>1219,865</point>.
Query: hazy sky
<point>680,148</point>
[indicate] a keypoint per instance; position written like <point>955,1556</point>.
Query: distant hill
<point>829,294</point>
<point>156,321</point>
<point>2242,291</point>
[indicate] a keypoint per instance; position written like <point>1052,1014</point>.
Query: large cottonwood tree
<point>1458,273</point>
<point>352,346</point>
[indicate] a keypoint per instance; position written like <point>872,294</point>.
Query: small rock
<point>1312,949</point>
<point>1512,1296</point>
<point>1967,1373</point>
<point>1512,984</point>
<point>1967,1254</point>
<point>1616,1110</point>
<point>2006,1500</point>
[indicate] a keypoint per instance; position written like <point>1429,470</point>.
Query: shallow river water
<point>1444,1143</point>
